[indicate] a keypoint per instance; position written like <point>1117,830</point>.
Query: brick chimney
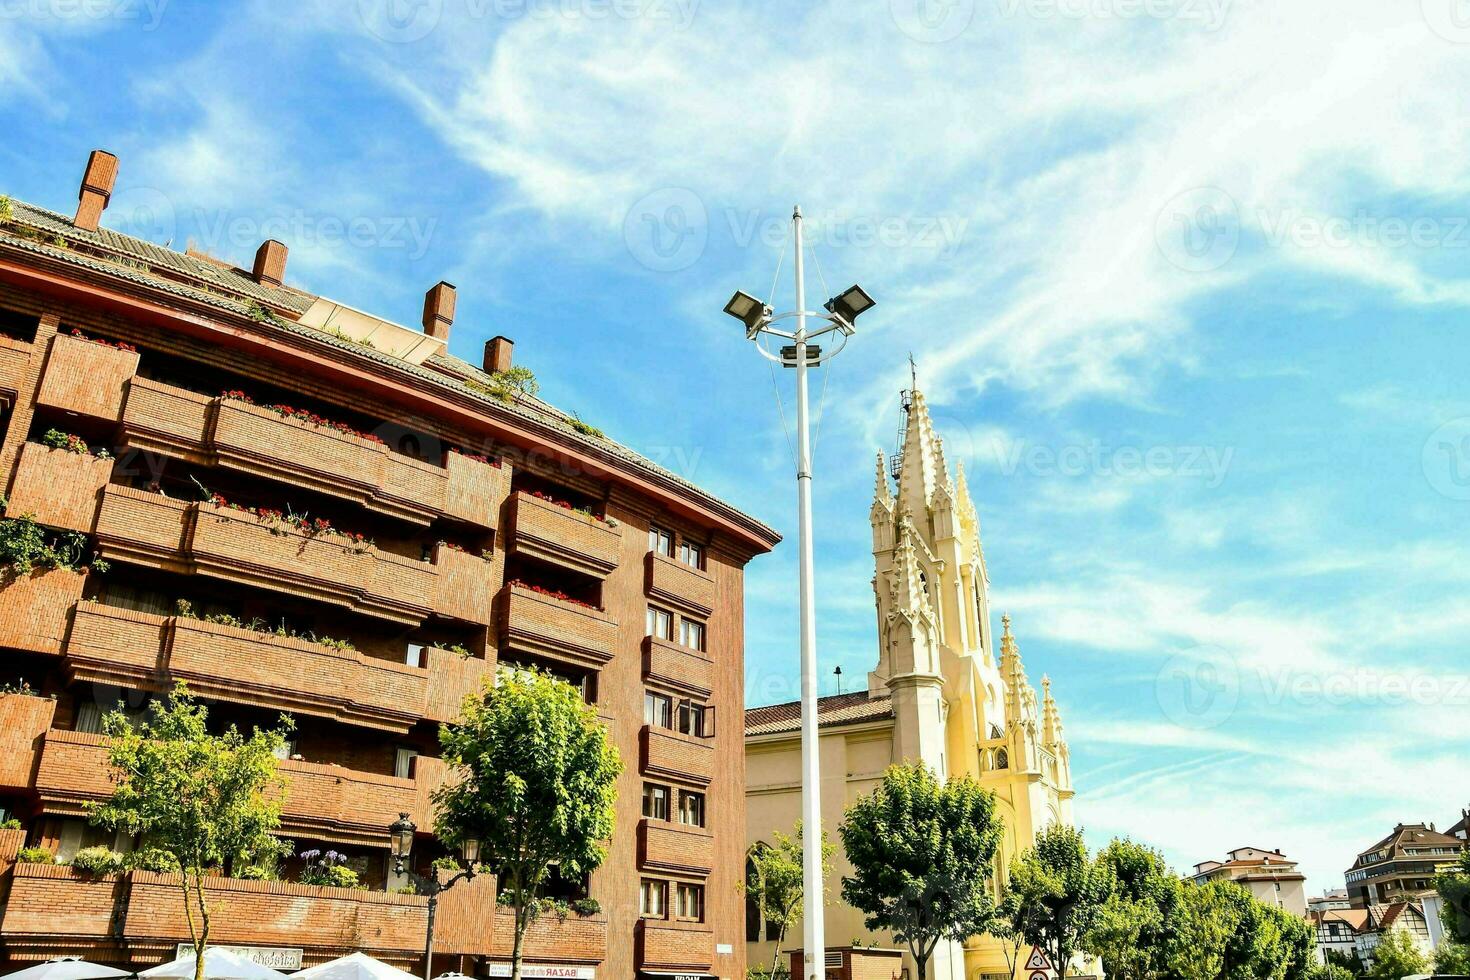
<point>96,189</point>
<point>439,311</point>
<point>270,263</point>
<point>497,354</point>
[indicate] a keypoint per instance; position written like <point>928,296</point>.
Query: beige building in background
<point>1269,875</point>
<point>939,693</point>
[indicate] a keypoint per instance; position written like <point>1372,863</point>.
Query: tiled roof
<point>201,280</point>
<point>1411,835</point>
<point>837,709</point>
<point>1354,919</point>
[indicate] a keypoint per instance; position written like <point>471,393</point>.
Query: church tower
<point>957,706</point>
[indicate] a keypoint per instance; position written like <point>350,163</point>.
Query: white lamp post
<point>759,319</point>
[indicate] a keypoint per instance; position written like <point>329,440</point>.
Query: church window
<point>1002,759</point>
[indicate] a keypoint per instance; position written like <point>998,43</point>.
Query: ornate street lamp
<point>400,835</point>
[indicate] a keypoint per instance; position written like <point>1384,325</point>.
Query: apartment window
<point>653,899</point>
<point>658,709</point>
<point>695,719</point>
<point>661,542</point>
<point>89,718</point>
<point>690,900</point>
<point>655,802</point>
<point>285,750</point>
<point>691,634</point>
<point>403,757</point>
<point>660,623</point>
<point>691,554</point>
<point>415,655</point>
<point>691,809</point>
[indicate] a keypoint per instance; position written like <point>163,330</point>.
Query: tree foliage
<point>1055,893</point>
<point>533,778</point>
<point>206,800</point>
<point>1396,956</point>
<point>776,882</point>
<point>922,856</point>
<point>1133,928</point>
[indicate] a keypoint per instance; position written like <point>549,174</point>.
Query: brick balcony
<point>86,378</point>
<point>140,916</point>
<point>110,645</point>
<point>24,721</point>
<point>150,529</point>
<point>673,847</point>
<point>681,668</point>
<point>672,946</point>
<point>682,757</point>
<point>236,435</point>
<point>575,939</point>
<point>58,488</point>
<point>467,585</point>
<point>34,609</point>
<point>682,586</point>
<point>451,677</point>
<point>15,360</point>
<point>555,628</point>
<point>323,802</point>
<point>563,537</point>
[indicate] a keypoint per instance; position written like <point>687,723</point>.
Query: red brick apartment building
<point>494,531</point>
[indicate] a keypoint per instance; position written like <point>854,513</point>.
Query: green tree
<point>204,799</point>
<point>1452,958</point>
<point>1330,971</point>
<point>1396,956</point>
<point>1133,926</point>
<point>922,855</point>
<point>1453,885</point>
<point>1055,893</point>
<point>534,779</point>
<point>776,883</point>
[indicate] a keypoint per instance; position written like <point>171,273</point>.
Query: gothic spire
<point>882,495</point>
<point>1051,731</point>
<point>923,469</point>
<point>909,592</point>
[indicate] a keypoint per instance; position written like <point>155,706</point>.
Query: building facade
<point>943,692</point>
<point>1402,866</point>
<point>311,510</point>
<point>1269,875</point>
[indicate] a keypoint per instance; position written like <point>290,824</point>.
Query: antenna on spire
<point>906,402</point>
<point>913,373</point>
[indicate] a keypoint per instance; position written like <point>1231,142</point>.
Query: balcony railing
<point>86,378</point>
<point>540,624</point>
<point>150,529</point>
<point>323,802</point>
<point>24,721</point>
<point>467,584</point>
<point>110,645</point>
<point>58,488</point>
<point>563,537</point>
<point>15,361</point>
<point>451,677</point>
<point>575,939</point>
<point>34,609</point>
<point>677,756</point>
<point>685,669</point>
<point>682,586</point>
<point>664,945</point>
<point>55,909</point>
<point>238,435</point>
<point>674,847</point>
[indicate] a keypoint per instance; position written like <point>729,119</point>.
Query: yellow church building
<point>939,693</point>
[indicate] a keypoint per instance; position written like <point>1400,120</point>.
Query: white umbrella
<point>353,966</point>
<point>68,968</point>
<point>219,964</point>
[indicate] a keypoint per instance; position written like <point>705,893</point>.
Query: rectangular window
<point>691,903</point>
<point>691,634</point>
<point>89,718</point>
<point>415,655</point>
<point>691,554</point>
<point>403,757</point>
<point>661,542</point>
<point>660,623</point>
<point>658,710</point>
<point>694,719</point>
<point>655,802</point>
<point>653,899</point>
<point>691,809</point>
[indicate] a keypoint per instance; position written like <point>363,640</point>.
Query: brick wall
<point>676,756</point>
<point>666,945</point>
<point>673,847</point>
<point>23,721</point>
<point>679,585</point>
<point>474,491</point>
<point>678,667</point>
<point>34,609</point>
<point>86,378</point>
<point>555,628</point>
<point>58,488</point>
<point>561,536</point>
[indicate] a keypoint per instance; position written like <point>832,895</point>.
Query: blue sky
<point>1186,281</point>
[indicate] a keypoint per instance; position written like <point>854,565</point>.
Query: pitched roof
<point>204,280</point>
<point>836,709</point>
<point>1355,919</point>
<point>1410,835</point>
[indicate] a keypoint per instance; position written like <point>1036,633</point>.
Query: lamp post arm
<point>431,886</point>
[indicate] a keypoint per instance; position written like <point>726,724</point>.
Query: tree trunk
<point>515,951</point>
<point>201,942</point>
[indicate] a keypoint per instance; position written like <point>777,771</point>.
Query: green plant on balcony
<point>152,859</point>
<point>22,687</point>
<point>184,609</point>
<point>35,855</point>
<point>97,861</point>
<point>10,824</point>
<point>26,546</point>
<point>327,869</point>
<point>72,443</point>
